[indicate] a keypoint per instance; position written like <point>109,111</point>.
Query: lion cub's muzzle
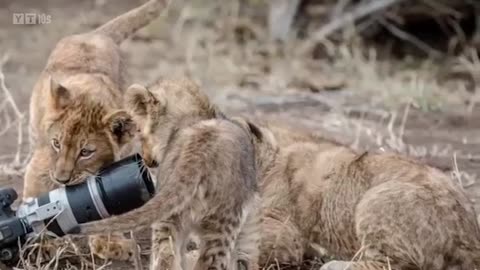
<point>61,178</point>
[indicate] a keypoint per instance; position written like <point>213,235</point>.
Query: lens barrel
<point>118,188</point>
<point>125,185</point>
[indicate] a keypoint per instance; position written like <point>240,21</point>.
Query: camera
<point>118,188</point>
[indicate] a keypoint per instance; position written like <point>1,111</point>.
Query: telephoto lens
<point>118,188</point>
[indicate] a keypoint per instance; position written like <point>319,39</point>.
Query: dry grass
<point>388,136</point>
<point>40,254</point>
<point>48,252</point>
<point>394,83</point>
<point>45,251</point>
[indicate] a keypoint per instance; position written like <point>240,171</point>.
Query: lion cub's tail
<point>123,26</point>
<point>171,199</point>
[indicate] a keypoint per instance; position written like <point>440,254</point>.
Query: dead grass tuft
<point>58,253</point>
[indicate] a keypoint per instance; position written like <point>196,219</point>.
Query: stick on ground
<point>346,19</point>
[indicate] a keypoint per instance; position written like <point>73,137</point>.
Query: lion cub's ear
<point>140,100</point>
<point>59,94</point>
<point>250,127</point>
<point>121,126</point>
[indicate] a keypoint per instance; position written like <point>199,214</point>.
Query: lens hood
<point>125,185</point>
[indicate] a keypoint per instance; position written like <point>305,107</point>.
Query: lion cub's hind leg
<point>168,246</point>
<point>218,233</point>
<point>114,246</point>
<point>246,250</point>
<point>281,241</point>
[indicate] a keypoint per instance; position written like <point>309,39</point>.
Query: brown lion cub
<point>206,179</point>
<point>393,212</point>
<point>75,124</point>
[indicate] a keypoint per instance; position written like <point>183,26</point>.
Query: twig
<point>339,8</point>
<point>137,260</point>
<point>459,175</point>
<point>93,259</point>
<point>8,125</point>
<point>338,23</point>
<point>359,254</point>
<point>404,120</point>
<point>7,93</point>
<point>456,171</point>
<point>443,8</point>
<point>280,18</point>
<point>13,104</point>
<point>410,38</point>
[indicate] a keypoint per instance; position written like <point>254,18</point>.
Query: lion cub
<point>393,211</point>
<point>75,123</point>
<point>206,179</point>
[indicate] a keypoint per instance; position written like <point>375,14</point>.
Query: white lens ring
<point>66,220</point>
<point>96,198</point>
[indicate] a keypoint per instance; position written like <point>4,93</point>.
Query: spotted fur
<point>206,180</point>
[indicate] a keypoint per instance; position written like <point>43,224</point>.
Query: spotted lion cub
<point>393,211</point>
<point>206,179</point>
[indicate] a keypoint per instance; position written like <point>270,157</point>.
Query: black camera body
<point>116,189</point>
<point>12,229</point>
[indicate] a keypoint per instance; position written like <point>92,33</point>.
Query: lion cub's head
<point>83,134</point>
<point>160,108</point>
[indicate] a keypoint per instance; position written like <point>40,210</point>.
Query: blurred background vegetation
<point>423,51</point>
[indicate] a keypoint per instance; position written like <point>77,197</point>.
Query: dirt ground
<point>446,136</point>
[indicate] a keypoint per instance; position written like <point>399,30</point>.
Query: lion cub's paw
<point>112,247</point>
<point>336,265</point>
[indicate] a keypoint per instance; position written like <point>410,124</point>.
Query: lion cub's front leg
<point>37,178</point>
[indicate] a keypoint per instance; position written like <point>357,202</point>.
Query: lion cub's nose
<point>62,180</point>
<point>62,177</point>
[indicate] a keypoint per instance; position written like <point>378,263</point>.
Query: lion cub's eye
<point>84,153</point>
<point>56,144</point>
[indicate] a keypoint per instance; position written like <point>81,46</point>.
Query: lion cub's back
<point>222,152</point>
<point>86,53</point>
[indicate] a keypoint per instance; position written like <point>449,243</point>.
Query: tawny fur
<point>75,127</point>
<point>393,211</point>
<point>206,180</point>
